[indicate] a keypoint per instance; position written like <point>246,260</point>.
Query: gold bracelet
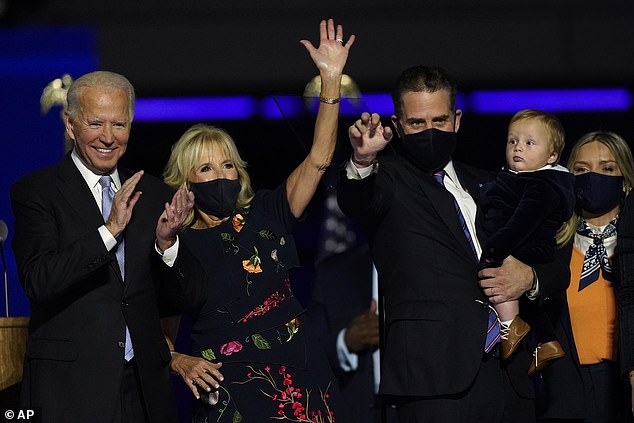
<point>328,100</point>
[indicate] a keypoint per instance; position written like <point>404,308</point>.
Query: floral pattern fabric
<point>252,323</point>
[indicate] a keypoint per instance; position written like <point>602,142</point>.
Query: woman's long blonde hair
<point>187,152</point>
<point>623,156</point>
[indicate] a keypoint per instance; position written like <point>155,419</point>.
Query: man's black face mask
<point>429,150</point>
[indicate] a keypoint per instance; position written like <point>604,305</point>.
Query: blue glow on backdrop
<point>200,108</point>
<point>568,100</point>
<point>483,102</point>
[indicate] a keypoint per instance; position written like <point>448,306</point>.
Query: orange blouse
<point>592,314</point>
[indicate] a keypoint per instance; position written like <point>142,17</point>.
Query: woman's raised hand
<point>331,55</point>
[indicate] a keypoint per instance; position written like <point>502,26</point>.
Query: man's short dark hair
<point>423,78</point>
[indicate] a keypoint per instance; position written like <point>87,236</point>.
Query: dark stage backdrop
<point>31,58</point>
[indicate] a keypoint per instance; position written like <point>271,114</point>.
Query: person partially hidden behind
<point>521,211</point>
<point>84,246</point>
<point>344,311</point>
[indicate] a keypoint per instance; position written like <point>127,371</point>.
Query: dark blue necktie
<point>107,196</point>
<point>440,176</point>
<point>493,325</point>
<point>596,257</point>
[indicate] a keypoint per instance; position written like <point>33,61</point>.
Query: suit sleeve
<point>625,287</point>
<point>360,199</point>
<point>554,277</point>
<point>49,267</point>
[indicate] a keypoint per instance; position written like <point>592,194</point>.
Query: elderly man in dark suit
<point>84,242</point>
<point>440,361</point>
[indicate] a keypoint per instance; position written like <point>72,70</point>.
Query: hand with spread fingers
<point>124,201</point>
<point>332,53</point>
<point>173,218</point>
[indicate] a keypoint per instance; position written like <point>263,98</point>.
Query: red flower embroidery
<point>230,348</point>
<point>292,404</point>
<point>270,303</point>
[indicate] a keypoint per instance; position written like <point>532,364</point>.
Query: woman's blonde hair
<point>187,152</point>
<point>623,157</point>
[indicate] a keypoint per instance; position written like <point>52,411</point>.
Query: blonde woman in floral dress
<point>244,313</point>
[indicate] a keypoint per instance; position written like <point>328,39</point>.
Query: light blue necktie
<point>493,326</point>
<point>107,195</point>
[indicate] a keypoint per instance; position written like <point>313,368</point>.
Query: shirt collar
<point>91,178</point>
<point>451,173</point>
<point>557,167</point>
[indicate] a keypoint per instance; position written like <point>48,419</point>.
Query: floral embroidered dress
<point>248,319</point>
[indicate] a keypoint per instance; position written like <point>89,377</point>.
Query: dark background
<point>248,47</point>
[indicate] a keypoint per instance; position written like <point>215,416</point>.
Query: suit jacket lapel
<point>128,235</point>
<point>469,182</point>
<point>74,189</point>
<point>472,183</point>
<point>443,202</point>
<point>136,239</point>
<point>76,192</point>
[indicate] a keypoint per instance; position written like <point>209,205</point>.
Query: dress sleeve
<point>274,204</point>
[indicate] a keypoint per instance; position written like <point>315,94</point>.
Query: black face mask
<point>216,198</point>
<point>597,193</point>
<point>429,150</point>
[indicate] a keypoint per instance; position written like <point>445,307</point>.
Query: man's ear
<point>68,125</point>
<point>457,117</point>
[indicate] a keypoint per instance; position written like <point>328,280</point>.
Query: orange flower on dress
<point>252,265</point>
<point>238,222</point>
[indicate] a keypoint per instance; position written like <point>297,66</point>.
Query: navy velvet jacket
<point>521,213</point>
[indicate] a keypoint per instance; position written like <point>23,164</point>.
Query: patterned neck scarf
<point>596,257</point>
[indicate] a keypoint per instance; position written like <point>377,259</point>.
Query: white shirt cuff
<point>354,172</point>
<point>108,240</point>
<point>170,255</point>
<point>534,293</point>
<point>348,361</point>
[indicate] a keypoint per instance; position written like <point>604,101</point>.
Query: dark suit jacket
<point>434,326</point>
<point>560,391</point>
<point>625,291</point>
<point>79,304</point>
<point>343,289</point>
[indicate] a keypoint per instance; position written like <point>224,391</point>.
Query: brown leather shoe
<point>517,330</point>
<point>544,354</point>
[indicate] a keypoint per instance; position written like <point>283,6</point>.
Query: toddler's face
<point>528,146</point>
